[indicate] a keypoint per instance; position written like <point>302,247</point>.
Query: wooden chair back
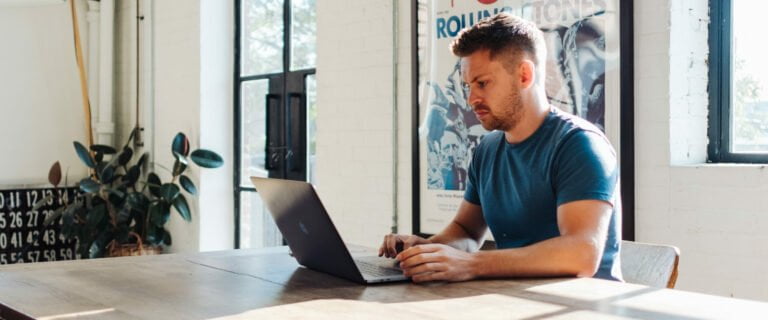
<point>649,264</point>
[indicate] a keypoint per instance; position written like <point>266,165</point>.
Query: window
<point>738,121</point>
<point>275,107</point>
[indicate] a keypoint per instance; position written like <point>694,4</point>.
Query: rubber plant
<point>121,201</point>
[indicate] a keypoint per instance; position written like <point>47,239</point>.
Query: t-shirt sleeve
<point>471,193</point>
<point>585,168</point>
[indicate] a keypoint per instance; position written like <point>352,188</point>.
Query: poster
<point>582,38</point>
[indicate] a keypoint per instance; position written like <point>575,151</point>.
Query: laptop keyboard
<point>376,270</point>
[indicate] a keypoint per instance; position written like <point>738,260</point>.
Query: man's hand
<point>431,262</point>
<point>391,243</point>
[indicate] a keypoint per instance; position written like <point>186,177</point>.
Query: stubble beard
<point>510,115</point>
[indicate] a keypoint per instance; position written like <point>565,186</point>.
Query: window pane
<point>311,87</point>
<point>262,37</point>
<point>749,99</point>
<point>253,128</point>
<point>303,38</point>
<point>257,228</point>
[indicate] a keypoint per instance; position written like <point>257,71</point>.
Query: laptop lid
<point>306,227</point>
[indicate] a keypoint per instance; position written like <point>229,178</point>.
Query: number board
<point>23,235</point>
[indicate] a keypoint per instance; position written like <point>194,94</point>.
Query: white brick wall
<point>355,111</point>
<point>715,213</point>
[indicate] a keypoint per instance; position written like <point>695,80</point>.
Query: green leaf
<point>95,216</point>
<point>182,207</point>
<point>154,235</point>
<point>68,219</point>
<point>143,159</point>
<point>169,192</point>
<point>124,215</point>
<point>138,201</point>
<point>180,144</point>
<point>90,186</point>
<point>125,156</point>
<point>98,156</point>
<point>188,185</point>
<point>103,149</point>
<point>179,167</point>
<point>180,157</point>
<point>207,158</point>
<point>121,234</point>
<point>84,155</point>
<point>117,192</point>
<point>167,237</point>
<point>54,175</point>
<point>131,136</point>
<point>159,213</point>
<point>115,199</point>
<point>100,167</point>
<point>154,184</point>
<point>139,227</point>
<point>94,251</point>
<point>97,247</point>
<point>85,246</point>
<point>133,175</point>
<point>108,174</point>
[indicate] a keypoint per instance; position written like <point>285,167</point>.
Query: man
<point>544,182</point>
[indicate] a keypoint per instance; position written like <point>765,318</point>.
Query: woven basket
<point>133,249</point>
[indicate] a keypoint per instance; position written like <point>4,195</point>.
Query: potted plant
<point>121,208</point>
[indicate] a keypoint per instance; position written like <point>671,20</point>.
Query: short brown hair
<point>499,34</point>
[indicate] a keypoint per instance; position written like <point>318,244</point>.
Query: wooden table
<point>268,284</point>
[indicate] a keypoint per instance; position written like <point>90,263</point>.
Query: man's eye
<point>482,84</point>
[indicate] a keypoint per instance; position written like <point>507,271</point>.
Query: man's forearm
<point>457,236</point>
<point>559,256</point>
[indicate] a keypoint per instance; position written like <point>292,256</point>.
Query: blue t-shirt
<point>519,186</point>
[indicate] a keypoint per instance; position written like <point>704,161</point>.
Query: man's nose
<point>474,99</point>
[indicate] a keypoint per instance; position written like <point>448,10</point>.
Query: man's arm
<point>466,231</point>
<point>577,251</point>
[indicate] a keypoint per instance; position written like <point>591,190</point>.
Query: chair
<point>649,264</point>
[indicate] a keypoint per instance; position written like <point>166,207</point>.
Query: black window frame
<point>290,121</point>
<point>720,86</point>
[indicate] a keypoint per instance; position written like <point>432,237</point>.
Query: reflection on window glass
<point>311,86</point>
<point>749,98</point>
<point>262,37</point>
<point>257,227</point>
<point>254,130</point>
<point>303,38</point>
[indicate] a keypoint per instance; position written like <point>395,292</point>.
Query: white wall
<point>177,99</point>
<point>355,117</point>
<point>41,109</point>
<point>714,213</point>
<point>191,91</point>
<point>216,121</point>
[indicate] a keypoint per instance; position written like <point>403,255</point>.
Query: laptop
<point>312,237</point>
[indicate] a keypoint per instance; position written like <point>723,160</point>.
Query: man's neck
<point>534,114</point>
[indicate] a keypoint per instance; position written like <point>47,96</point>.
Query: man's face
<point>494,93</point>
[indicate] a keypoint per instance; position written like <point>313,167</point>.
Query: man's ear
<point>527,73</point>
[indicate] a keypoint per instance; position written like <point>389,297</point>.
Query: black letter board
<point>23,236</point>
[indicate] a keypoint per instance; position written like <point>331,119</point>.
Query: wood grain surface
<point>268,284</point>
